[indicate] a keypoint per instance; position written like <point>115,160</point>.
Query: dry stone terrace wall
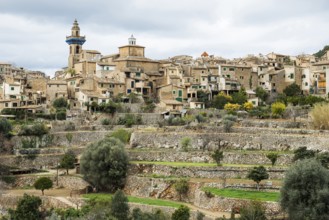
<point>79,138</point>
<point>10,201</point>
<point>199,156</point>
<point>224,204</point>
<point>68,182</point>
<point>166,210</point>
<point>247,141</point>
<point>199,172</point>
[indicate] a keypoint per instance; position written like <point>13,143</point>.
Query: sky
<point>32,32</point>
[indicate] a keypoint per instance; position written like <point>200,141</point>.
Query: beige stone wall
<point>243,76</point>
<point>131,50</point>
<point>55,91</point>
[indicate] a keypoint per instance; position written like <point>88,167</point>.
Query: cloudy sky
<point>32,32</point>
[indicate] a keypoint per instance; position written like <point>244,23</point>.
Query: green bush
<point>200,118</point>
<point>121,134</point>
<point>5,127</point>
<point>182,213</point>
<point>185,143</point>
<point>181,187</point>
<point>129,120</point>
<point>37,129</point>
<point>272,157</point>
<point>105,121</point>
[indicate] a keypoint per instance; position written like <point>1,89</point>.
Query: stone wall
<point>200,156</point>
<point>166,210</point>
<point>68,182</point>
<point>223,204</point>
<point>79,138</point>
<point>164,189</point>
<point>10,201</point>
<point>199,172</point>
<point>211,141</point>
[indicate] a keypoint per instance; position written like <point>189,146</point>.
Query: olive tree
<point>258,174</point>
<point>305,191</point>
<point>67,161</point>
<point>43,183</point>
<point>104,164</point>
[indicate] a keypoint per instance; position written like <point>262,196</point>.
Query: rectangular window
<point>138,74</point>
<point>231,69</point>
<point>14,104</point>
<point>102,85</point>
<point>6,104</point>
<point>174,92</point>
<point>12,88</point>
<point>241,77</point>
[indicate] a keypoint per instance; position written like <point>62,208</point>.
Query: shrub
<point>185,143</point>
<point>105,121</point>
<point>70,126</point>
<point>220,100</point>
<point>200,118</point>
<point>181,187</point>
<point>217,156</point>
<point>182,213</point>
<point>320,116</point>
<point>60,103</point>
<point>37,129</point>
<point>5,127</point>
<point>27,208</point>
<point>129,120</point>
<point>272,157</point>
<point>119,206</point>
<point>121,134</point>
<point>278,108</point>
<point>200,215</point>
<point>232,107</point>
<point>148,108</point>
<point>303,153</point>
<point>254,210</point>
<point>228,122</point>
<point>248,106</point>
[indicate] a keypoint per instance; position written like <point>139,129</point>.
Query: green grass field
<point>102,197</point>
<point>243,194</point>
<point>190,164</point>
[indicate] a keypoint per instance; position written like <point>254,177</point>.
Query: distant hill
<point>320,53</point>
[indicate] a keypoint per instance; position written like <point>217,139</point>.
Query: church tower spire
<point>75,42</point>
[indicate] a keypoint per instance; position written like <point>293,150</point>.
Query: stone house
<point>171,105</point>
<point>56,89</point>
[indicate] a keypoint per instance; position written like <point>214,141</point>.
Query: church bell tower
<point>75,42</point>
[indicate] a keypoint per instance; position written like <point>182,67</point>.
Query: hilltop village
<point>126,137</point>
<point>174,82</point>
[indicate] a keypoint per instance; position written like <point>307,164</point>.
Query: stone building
<point>55,89</point>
